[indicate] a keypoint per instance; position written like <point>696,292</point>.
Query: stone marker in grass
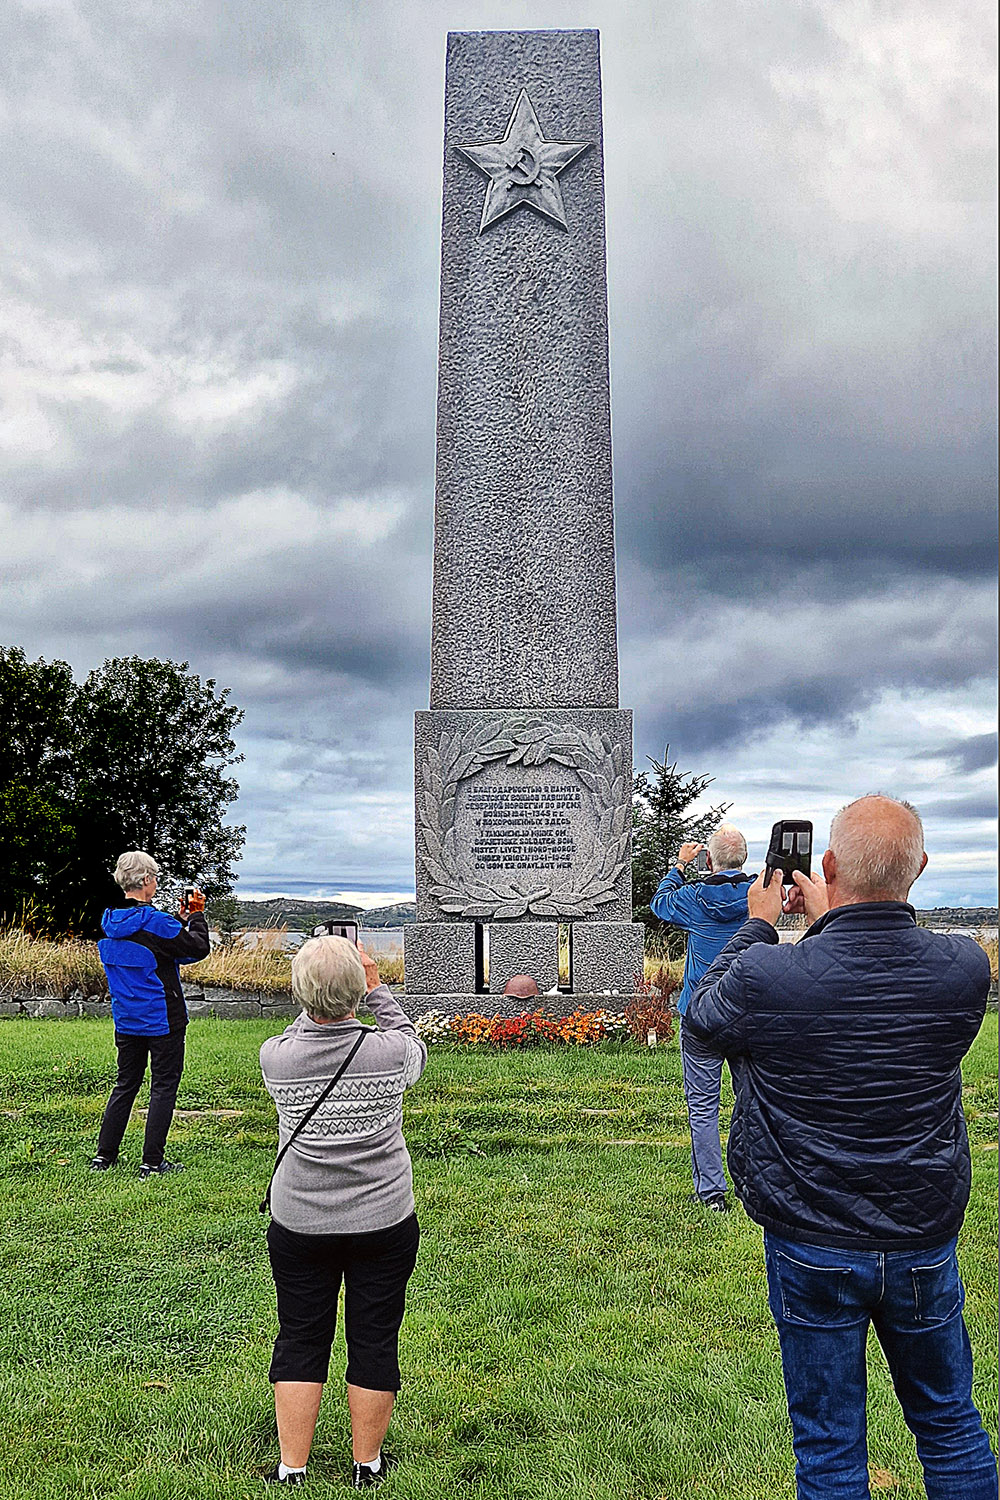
<point>524,761</point>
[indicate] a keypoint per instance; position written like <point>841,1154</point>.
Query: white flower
<point>432,1026</point>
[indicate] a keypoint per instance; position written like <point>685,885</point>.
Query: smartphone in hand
<point>348,930</point>
<point>790,849</point>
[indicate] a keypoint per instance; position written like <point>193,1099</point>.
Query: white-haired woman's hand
<point>372,978</point>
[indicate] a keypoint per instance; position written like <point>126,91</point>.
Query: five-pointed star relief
<point>523,168</point>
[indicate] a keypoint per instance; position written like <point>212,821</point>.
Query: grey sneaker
<point>146,1170</point>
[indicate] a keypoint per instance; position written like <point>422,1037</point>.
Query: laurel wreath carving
<point>528,742</point>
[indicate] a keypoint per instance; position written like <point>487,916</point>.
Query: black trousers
<point>307,1271</point>
<point>166,1061</point>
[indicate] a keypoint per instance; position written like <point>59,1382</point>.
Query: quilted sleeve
<point>718,1008</point>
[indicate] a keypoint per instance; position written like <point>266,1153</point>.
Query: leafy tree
<point>660,825</point>
<point>33,836</point>
<point>36,701</point>
<point>135,757</point>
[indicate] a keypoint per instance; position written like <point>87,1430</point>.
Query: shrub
<point>650,1008</point>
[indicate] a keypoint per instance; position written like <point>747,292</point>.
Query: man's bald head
<point>877,844</point>
<point>521,986</point>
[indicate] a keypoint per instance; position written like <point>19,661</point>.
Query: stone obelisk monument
<point>524,761</point>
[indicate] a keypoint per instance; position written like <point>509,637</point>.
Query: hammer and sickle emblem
<point>527,165</point>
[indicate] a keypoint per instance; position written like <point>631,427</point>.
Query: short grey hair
<point>328,978</point>
<point>134,868</point>
<point>878,843</point>
<point>727,848</point>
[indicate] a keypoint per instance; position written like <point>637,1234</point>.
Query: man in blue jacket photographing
<point>141,950</point>
<point>848,1146</point>
<point>710,910</point>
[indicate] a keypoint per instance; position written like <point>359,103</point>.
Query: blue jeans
<point>822,1301</point>
<point>703,1091</point>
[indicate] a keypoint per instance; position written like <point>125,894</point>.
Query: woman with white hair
<point>341,1200</point>
<point>140,950</point>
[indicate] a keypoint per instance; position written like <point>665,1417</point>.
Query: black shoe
<point>366,1478</point>
<point>271,1477</point>
<point>718,1203</point>
<point>146,1170</point>
<point>102,1163</point>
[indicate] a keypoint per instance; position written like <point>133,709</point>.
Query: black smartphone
<point>348,930</point>
<point>790,849</point>
<point>701,860</point>
<point>188,893</point>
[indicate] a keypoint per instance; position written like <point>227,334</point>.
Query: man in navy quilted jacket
<point>140,951</point>
<point>848,1145</point>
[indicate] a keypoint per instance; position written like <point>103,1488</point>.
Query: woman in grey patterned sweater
<point>341,1200</point>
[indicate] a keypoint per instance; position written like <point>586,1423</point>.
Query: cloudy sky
<point>217,386</point>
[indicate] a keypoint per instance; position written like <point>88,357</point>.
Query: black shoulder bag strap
<point>265,1202</point>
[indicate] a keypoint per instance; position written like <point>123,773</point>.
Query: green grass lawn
<point>575,1326</point>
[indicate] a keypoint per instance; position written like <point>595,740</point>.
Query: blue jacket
<point>710,910</point>
<point>846,1053</point>
<point>140,953</point>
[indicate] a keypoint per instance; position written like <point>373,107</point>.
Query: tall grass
<point>986,937</point>
<point>48,966</point>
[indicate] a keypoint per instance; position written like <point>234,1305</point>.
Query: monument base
<point>453,958</point>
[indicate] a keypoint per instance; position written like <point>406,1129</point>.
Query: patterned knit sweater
<point>349,1170</point>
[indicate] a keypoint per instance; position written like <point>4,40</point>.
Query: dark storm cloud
<point>977,752</point>
<point>973,806</point>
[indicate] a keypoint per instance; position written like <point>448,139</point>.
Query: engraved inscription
<point>523,168</point>
<point>524,828</point>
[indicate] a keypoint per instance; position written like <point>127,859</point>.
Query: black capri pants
<point>307,1271</point>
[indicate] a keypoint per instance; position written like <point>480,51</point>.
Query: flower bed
<point>581,1029</point>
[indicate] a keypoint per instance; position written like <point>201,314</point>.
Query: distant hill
<point>958,916</point>
<point>400,915</point>
<point>297,916</point>
<point>303,916</point>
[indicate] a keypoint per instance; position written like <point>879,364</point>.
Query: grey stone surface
<point>524,948</point>
<point>439,957</point>
<point>607,956</point>
<point>231,1010</point>
<point>225,1003</point>
<point>272,1007</point>
<point>521,816</point>
<point>50,1008</point>
<point>524,565</point>
<point>524,763</point>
